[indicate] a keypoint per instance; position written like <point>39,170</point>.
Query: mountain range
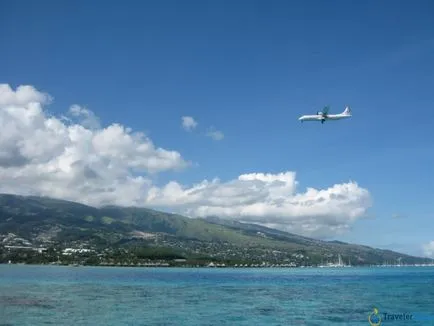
<point>43,221</point>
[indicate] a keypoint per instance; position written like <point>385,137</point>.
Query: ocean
<point>63,295</point>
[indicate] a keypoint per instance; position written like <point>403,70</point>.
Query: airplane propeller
<point>324,111</point>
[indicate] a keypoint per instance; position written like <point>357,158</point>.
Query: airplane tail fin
<point>347,110</point>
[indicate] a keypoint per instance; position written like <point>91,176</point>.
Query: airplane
<point>324,116</point>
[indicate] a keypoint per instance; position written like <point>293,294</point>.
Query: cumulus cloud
<point>87,118</point>
<point>75,158</point>
<point>270,200</point>
<point>44,155</point>
<point>24,95</point>
<point>188,123</point>
<point>428,249</point>
<point>215,134</point>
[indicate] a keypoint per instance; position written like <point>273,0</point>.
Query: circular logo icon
<point>374,318</point>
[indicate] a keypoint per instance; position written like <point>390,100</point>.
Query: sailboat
<point>339,264</point>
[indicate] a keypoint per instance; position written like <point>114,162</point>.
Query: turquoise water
<point>56,295</point>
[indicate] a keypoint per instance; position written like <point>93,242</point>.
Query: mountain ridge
<point>47,221</point>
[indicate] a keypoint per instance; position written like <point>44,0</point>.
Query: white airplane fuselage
<point>319,117</point>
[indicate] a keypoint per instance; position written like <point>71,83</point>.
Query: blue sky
<point>250,68</point>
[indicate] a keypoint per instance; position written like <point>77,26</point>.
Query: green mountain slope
<point>45,221</point>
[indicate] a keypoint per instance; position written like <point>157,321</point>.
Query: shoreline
<point>167,265</point>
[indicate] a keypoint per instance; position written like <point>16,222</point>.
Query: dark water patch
<point>267,311</point>
<point>22,301</point>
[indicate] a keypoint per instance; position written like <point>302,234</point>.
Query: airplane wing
<point>325,110</point>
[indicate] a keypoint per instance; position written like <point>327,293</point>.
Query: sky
<point>192,107</point>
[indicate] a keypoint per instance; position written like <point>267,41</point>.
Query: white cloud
<point>428,249</point>
<point>215,134</point>
<point>88,118</point>
<point>270,200</point>
<point>83,162</point>
<point>23,95</point>
<point>188,123</point>
<point>44,155</point>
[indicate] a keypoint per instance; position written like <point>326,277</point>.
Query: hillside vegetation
<point>41,221</point>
